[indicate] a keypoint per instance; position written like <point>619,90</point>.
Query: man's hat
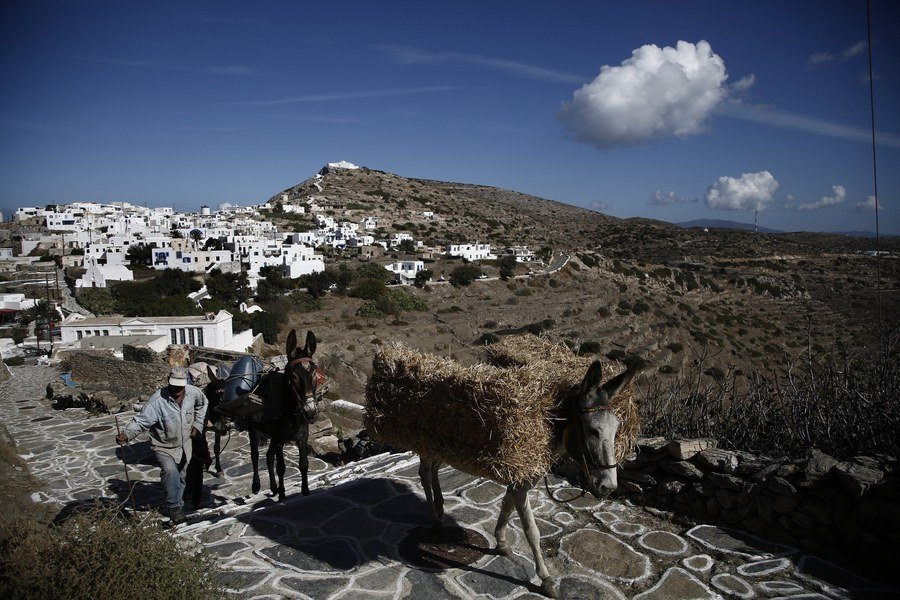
<point>178,377</point>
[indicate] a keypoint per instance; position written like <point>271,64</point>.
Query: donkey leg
<point>303,448</point>
<point>526,516</point>
<point>427,474</point>
<point>506,509</point>
<point>217,449</point>
<point>271,455</point>
<point>279,463</point>
<point>254,458</point>
<point>437,492</point>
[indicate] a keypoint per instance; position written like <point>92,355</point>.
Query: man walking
<point>172,416</point>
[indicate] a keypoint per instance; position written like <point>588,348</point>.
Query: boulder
<point>717,460</point>
<point>856,478</point>
<point>686,449</point>
<point>683,468</point>
<point>816,466</point>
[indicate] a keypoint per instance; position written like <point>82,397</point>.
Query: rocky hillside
<point>731,299</point>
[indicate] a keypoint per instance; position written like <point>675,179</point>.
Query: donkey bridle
<point>310,395</point>
<point>614,465</point>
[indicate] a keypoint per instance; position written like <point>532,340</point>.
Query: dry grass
<point>489,421</point>
<point>100,555</point>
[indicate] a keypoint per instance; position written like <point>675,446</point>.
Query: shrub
<point>604,312</point>
<point>368,289</point>
<point>99,301</point>
<point>305,301</point>
<point>14,361</point>
<point>464,275</point>
<point>590,347</point>
<point>99,554</point>
<point>675,347</point>
<point>487,338</point>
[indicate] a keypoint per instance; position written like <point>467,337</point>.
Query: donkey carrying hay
<point>506,424</point>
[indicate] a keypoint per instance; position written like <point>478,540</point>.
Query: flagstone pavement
<point>363,531</point>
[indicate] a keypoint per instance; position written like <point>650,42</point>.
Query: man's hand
<point>193,431</point>
<point>121,439</point>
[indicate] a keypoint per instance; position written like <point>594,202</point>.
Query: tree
<point>368,289</point>
<point>372,271</point>
<point>423,276</point>
<point>212,244</point>
<point>267,324</point>
<point>464,275</point>
<point>408,246</point>
<point>176,234</point>
<point>507,266</point>
<point>140,254</point>
<point>196,235</point>
<point>232,288</point>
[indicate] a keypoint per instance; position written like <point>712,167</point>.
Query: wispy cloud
<point>345,96</point>
<point>817,59</point>
<point>789,120</point>
<point>663,199</point>
<point>238,70</point>
<point>600,206</point>
<point>413,56</point>
<point>318,119</point>
<point>868,204</point>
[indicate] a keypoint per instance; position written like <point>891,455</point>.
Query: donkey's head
<point>215,393</point>
<point>301,374</point>
<point>596,425</point>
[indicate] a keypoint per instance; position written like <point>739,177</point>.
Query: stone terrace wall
<point>817,503</point>
<point>100,370</point>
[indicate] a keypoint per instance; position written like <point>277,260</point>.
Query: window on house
<point>199,336</point>
<point>79,334</point>
<point>191,336</point>
<point>106,332</point>
<point>174,333</point>
<point>181,335</point>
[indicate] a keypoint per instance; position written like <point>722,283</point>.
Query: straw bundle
<point>538,353</point>
<point>485,420</point>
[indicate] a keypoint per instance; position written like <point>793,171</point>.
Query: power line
<point>874,158</point>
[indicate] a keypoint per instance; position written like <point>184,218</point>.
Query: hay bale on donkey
<point>505,423</point>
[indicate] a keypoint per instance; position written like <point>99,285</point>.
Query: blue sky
<point>666,110</point>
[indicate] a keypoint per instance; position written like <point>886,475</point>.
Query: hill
<point>723,300</point>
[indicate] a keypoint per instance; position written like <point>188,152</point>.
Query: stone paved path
<point>363,533</point>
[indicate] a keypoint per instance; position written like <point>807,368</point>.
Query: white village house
<point>406,269</point>
<point>210,330</point>
<point>470,251</point>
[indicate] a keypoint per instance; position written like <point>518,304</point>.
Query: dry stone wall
<point>127,379</point>
<point>817,503</point>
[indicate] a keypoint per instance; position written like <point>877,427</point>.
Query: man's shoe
<point>176,516</point>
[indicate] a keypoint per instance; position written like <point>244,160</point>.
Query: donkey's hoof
<point>548,589</point>
<point>220,473</point>
<point>255,487</point>
<point>503,550</point>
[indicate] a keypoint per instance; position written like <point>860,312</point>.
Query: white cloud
<point>658,92</point>
<point>600,206</point>
<point>407,55</point>
<point>789,120</point>
<point>825,201</point>
<point>744,83</point>
<point>661,199</point>
<point>344,96</point>
<point>751,191</point>
<point>856,49</point>
<point>868,204</point>
<point>819,58</point>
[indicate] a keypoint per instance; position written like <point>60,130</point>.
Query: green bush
<point>368,289</point>
<point>99,301</point>
<point>306,301</point>
<point>464,275</point>
<point>101,555</point>
<point>14,361</point>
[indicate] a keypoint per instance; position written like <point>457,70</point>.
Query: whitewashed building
<point>97,275</point>
<point>406,269</point>
<point>210,330</point>
<point>470,251</point>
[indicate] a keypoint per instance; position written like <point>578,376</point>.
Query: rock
<point>703,488</point>
<point>686,449</point>
<point>781,486</point>
<point>868,462</point>
<point>817,465</point>
<point>718,460</point>
<point>766,471</point>
<point>684,469</point>
<point>787,470</point>
<point>629,487</point>
<point>855,478</point>
<point>729,482</point>
<point>784,505</point>
<point>325,444</point>
<point>672,486</point>
<point>109,401</point>
<point>638,477</point>
<point>321,426</point>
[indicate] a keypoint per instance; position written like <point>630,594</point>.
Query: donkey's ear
<point>615,385</point>
<point>291,344</point>
<point>310,346</point>
<point>213,375</point>
<point>593,376</point>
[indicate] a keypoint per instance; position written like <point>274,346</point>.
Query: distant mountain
<point>725,225</point>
